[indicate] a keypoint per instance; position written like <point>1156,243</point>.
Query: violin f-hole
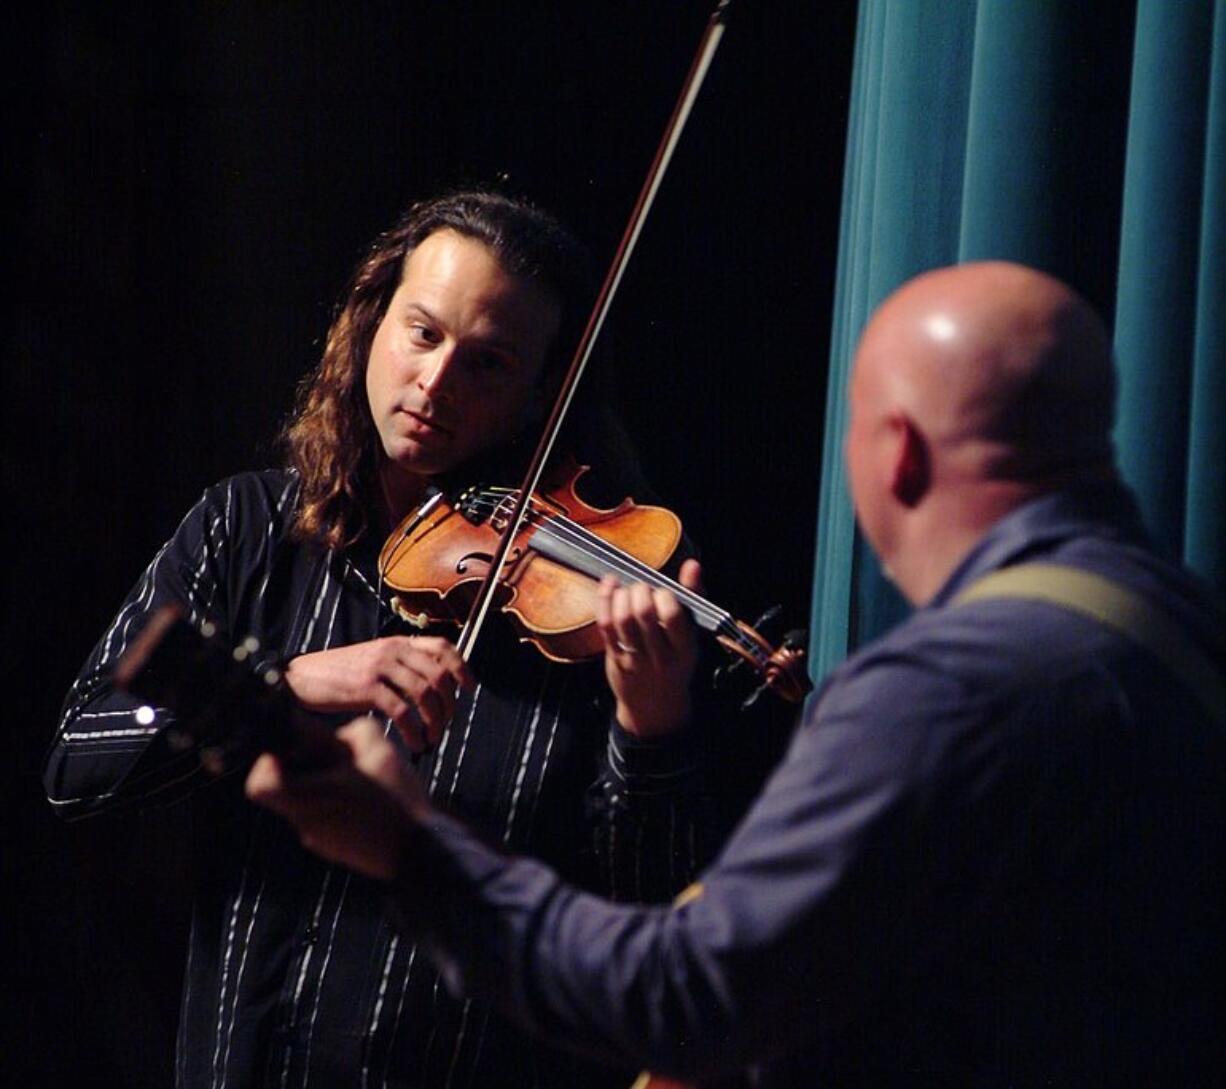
<point>461,567</point>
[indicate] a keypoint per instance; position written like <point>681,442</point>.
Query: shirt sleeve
<point>796,922</point>
<point>649,814</point>
<point>108,752</point>
<point>653,823</point>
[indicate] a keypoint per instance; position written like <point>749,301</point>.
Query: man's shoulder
<point>964,661</point>
<point>275,487</point>
<point>248,512</point>
<point>918,671</point>
<point>1067,624</point>
<point>257,497</point>
<point>1097,530</point>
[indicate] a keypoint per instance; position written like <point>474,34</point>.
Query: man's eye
<point>423,335</point>
<point>493,361</point>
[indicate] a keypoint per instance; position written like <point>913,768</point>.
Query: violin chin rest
<point>420,621</point>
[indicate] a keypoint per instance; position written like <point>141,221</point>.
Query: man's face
<point>456,363</point>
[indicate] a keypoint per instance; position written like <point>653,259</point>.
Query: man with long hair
<point>443,357</point>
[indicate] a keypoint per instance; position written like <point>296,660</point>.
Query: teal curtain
<point>1086,139</point>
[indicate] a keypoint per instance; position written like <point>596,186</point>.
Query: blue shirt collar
<point>1106,509</point>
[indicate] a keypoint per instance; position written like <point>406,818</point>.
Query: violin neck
<point>565,541</point>
<point>568,543</point>
<point>573,545</point>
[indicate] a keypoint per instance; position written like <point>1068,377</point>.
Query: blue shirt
<point>994,855</point>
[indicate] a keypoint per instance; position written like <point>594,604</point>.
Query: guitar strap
<point>1115,607</point>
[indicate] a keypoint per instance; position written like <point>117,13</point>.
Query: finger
<point>434,709</point>
<point>378,759</point>
<point>292,797</point>
<point>373,754</point>
<point>428,685</point>
<point>445,655</point>
<point>361,734</point>
<point>402,712</point>
<point>675,627</point>
<point>626,625</point>
<point>604,612</point>
<point>265,780</point>
<point>431,644</point>
<point>610,607</point>
<point>690,575</point>
<point>675,620</point>
<point>367,741</point>
<point>646,624</point>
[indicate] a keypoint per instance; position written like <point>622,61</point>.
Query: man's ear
<point>911,472</point>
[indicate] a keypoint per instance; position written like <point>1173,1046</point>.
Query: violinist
<point>447,348</point>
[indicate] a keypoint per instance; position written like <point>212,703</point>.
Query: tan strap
<point>1115,607</point>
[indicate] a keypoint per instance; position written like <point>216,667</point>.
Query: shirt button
<point>311,934</point>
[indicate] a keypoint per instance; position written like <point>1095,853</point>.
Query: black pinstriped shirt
<point>296,973</point>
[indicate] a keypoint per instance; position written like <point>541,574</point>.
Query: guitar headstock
<point>229,702</point>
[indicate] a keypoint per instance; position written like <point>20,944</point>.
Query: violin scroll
<point>781,668</point>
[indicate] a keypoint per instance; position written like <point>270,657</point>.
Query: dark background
<point>190,188</point>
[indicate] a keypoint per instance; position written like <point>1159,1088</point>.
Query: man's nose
<point>438,378</point>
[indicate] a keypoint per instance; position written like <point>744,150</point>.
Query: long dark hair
<point>330,437</point>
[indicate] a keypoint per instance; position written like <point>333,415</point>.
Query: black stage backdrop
<point>191,186</point>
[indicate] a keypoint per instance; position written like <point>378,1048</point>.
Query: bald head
<point>992,382</point>
<point>1001,366</point>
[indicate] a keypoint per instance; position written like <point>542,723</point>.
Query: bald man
<point>994,854</point>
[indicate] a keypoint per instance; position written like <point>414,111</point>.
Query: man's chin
<point>424,458</point>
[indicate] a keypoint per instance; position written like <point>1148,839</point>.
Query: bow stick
<point>655,175</point>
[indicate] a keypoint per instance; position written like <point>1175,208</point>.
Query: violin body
<point>439,557</point>
<point>437,563</point>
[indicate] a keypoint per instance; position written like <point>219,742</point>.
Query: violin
<point>439,556</point>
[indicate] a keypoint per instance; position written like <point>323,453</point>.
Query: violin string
<point>618,562</point>
<point>632,569</point>
<point>487,502</point>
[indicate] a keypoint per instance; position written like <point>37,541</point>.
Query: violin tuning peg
<point>767,617</point>
<point>721,675</point>
<point>752,698</point>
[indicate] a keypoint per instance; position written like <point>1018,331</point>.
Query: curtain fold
<point>1083,139</point>
<point>1205,526</point>
<point>1169,296</point>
